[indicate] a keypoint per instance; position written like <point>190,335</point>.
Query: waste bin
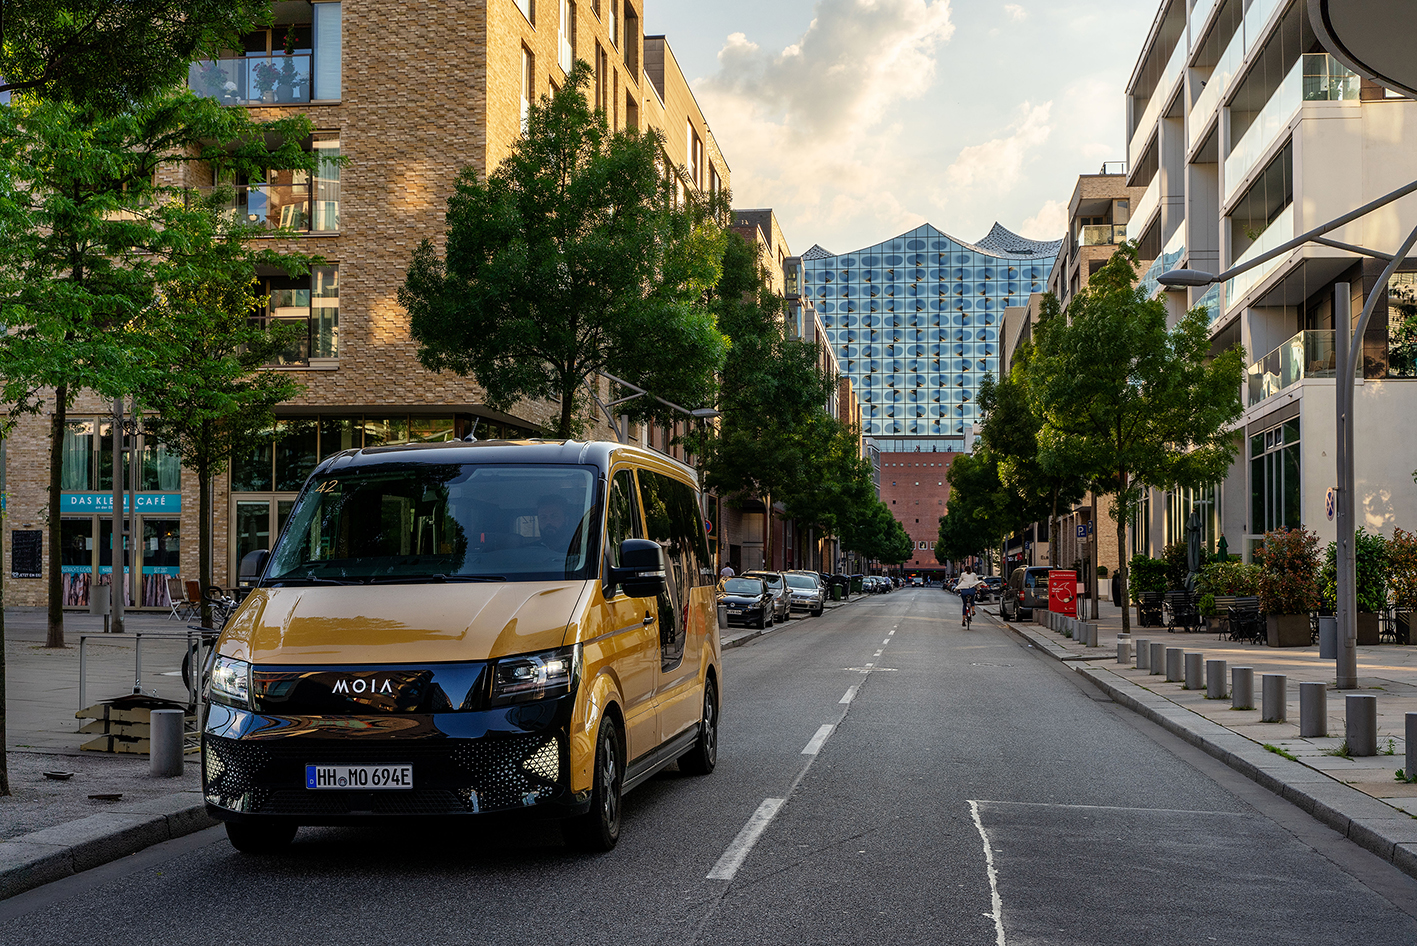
<point>1328,637</point>
<point>856,584</point>
<point>836,591</point>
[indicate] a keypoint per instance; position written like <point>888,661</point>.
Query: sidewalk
<point>1358,797</point>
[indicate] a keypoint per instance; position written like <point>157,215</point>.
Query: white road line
<point>737,852</point>
<point>815,745</point>
<point>876,654</point>
<point>998,904</point>
<point>885,642</point>
<point>850,694</point>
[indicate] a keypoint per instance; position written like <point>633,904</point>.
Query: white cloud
<point>1050,223</point>
<point>1016,13</point>
<point>997,164</point>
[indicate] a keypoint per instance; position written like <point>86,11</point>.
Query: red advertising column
<point>1062,591</point>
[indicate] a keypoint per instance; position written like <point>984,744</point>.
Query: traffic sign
<point>1330,502</point>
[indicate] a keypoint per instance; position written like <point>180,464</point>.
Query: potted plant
<point>1289,585</point>
<point>1370,558</point>
<point>1144,574</point>
<point>1177,568</point>
<point>1402,579</point>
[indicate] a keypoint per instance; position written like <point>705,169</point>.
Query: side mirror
<point>641,569</point>
<point>253,567</point>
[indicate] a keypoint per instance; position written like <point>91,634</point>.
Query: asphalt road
<point>884,777</point>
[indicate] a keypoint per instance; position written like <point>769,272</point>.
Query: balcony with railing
<point>1279,232</point>
<point>1159,97</point>
<point>287,206</point>
<point>1308,354</point>
<point>1146,206</point>
<point>1104,234</point>
<point>1226,68</point>
<point>253,80</point>
<point>1170,258</point>
<point>1315,77</point>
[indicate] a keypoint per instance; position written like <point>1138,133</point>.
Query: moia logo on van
<point>361,686</point>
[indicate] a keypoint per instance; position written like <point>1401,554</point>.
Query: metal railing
<point>1105,234</point>
<point>253,80</point>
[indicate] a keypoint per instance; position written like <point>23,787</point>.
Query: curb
<point>42,857</point>
<point>1371,824</point>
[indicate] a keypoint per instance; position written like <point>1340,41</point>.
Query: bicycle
<point>968,610</point>
<point>223,606</point>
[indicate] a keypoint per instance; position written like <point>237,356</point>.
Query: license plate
<point>361,777</point>
<point>735,610</point>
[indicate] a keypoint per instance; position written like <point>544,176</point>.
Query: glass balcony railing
<point>1211,303</point>
<point>1279,232</point>
<point>1170,257</point>
<point>1146,206</point>
<point>1315,77</point>
<point>288,205</point>
<point>1306,355</point>
<point>253,80</point>
<point>1102,235</point>
<point>1224,73</point>
<point>1159,97</point>
<point>1199,14</point>
<point>1255,19</point>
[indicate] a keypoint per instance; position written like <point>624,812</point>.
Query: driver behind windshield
<point>553,522</point>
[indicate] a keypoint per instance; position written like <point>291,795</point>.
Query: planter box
<point>1367,627</point>
<point>1288,630</point>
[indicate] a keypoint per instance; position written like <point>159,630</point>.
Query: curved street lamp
<point>1347,349</point>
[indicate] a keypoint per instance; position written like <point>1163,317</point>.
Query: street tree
<point>105,55</point>
<point>84,243</point>
<point>210,398</point>
<point>576,256</point>
<point>1143,404</point>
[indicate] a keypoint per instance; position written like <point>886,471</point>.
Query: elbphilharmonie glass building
<point>915,324</point>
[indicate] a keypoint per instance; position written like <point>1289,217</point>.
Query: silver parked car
<point>808,593</point>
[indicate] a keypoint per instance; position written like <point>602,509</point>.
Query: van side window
<point>622,515</point>
<point>673,520</point>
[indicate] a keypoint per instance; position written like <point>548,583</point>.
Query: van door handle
<point>649,619</point>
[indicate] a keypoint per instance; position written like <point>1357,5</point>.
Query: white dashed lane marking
<point>815,745</point>
<point>850,694</point>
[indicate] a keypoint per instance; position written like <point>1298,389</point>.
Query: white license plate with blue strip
<point>359,777</point>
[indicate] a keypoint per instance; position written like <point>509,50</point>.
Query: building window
<point>296,59</point>
<point>694,147</point>
<point>566,36</point>
<point>1274,480</point>
<point>528,8</point>
<point>311,302</point>
<point>290,199</point>
<point>528,84</point>
<point>632,41</point>
<point>614,25</point>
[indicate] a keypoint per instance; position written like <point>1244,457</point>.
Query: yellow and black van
<point>466,629</point>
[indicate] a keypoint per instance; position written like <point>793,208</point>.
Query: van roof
<point>600,453</point>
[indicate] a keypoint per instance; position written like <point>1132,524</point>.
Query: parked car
<point>873,585</point>
<point>749,601</point>
<point>809,593</point>
<point>992,589</point>
<point>1027,589</point>
<point>781,595</point>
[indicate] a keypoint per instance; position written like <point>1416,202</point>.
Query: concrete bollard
<point>1273,697</point>
<point>1174,670</point>
<point>1242,687</point>
<point>1143,653</point>
<point>165,746</point>
<point>1124,651</point>
<point>723,617</point>
<point>1215,679</point>
<point>1157,663</point>
<point>1195,671</point>
<point>1092,635</point>
<point>1411,732</point>
<point>1361,725</point>
<point>1313,709</point>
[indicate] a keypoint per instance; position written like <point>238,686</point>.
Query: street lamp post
<point>1348,348</point>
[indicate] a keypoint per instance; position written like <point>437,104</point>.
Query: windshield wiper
<point>315,580</point>
<point>417,579</point>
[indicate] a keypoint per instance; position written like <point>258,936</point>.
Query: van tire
<point>260,838</point>
<point>598,830</point>
<point>701,759</point>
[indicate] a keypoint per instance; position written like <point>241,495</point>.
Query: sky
<point>856,120</point>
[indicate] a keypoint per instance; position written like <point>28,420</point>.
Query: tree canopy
<point>576,256</point>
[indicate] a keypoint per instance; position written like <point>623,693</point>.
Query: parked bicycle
<point>223,606</point>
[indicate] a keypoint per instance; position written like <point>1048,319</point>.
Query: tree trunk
<point>55,635</point>
<point>568,406</point>
<point>204,538</point>
<point>1121,508</point>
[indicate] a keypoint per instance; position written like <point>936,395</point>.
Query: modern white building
<point>1244,134</point>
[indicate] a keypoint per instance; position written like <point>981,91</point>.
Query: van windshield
<point>442,522</point>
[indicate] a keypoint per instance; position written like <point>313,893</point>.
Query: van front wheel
<point>701,759</point>
<point>599,829</point>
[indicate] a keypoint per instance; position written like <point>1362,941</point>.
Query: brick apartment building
<point>913,485</point>
<point>407,95</point>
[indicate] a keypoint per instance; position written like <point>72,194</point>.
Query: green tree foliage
<point>959,536</point>
<point>1289,582</point>
<point>575,256</point>
<point>1143,404</point>
<point>1371,558</point>
<point>84,241</point>
<point>1402,568</point>
<point>1176,557</point>
<point>1148,574</point>
<point>210,398</point>
<point>105,55</point>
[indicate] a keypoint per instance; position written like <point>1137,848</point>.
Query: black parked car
<point>749,600</point>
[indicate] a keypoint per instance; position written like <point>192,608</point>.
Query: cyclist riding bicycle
<point>966,586</point>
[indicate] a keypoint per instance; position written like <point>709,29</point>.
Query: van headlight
<point>535,676</point>
<point>231,681</point>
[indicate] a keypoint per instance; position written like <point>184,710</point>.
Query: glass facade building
<point>915,323</point>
